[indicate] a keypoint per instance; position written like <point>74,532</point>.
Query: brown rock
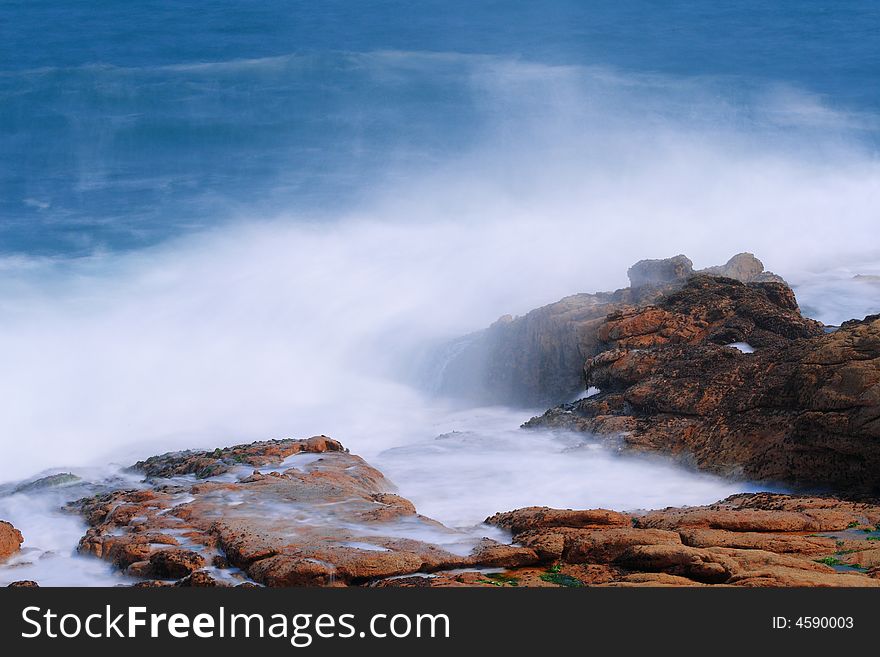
<point>680,560</point>
<point>606,545</point>
<point>542,517</point>
<point>760,539</point>
<point>537,359</point>
<point>332,521</point>
<point>791,577</point>
<point>425,582</point>
<point>174,563</point>
<point>221,460</point>
<point>10,540</point>
<point>283,570</point>
<point>804,410</point>
<point>653,579</point>
<point>329,521</point>
<point>200,579</point>
<point>769,542</point>
<point>491,554</point>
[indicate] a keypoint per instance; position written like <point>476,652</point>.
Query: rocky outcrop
<point>746,540</point>
<point>537,359</point>
<point>10,540</point>
<point>221,461</point>
<point>310,514</point>
<point>743,267</point>
<point>714,310</point>
<point>804,408</point>
<point>323,517</point>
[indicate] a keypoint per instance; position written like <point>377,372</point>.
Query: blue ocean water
<point>125,123</point>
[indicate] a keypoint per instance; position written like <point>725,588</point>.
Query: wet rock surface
<point>537,359</point>
<point>10,540</point>
<point>746,540</point>
<point>221,461</point>
<point>803,409</point>
<point>320,516</point>
<point>311,515</point>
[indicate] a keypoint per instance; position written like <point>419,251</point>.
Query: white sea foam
<point>484,464</point>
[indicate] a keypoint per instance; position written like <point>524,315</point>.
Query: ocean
<point>232,221</point>
<point>125,124</point>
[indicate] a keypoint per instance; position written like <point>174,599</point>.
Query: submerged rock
<point>537,359</point>
<point>50,481</point>
<point>10,540</point>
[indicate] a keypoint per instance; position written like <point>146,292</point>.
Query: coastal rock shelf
<point>308,513</point>
<point>746,540</point>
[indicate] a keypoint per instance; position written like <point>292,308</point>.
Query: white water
<point>51,534</point>
<point>284,326</point>
<point>483,464</point>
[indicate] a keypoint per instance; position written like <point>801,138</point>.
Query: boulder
<point>10,540</point>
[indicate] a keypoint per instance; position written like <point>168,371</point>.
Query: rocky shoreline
<point>309,513</point>
<point>801,407</point>
<point>717,368</point>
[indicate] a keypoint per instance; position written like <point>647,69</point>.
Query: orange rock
<point>542,517</point>
<point>175,563</point>
<point>10,540</point>
<point>606,545</point>
<point>653,579</point>
<point>771,542</point>
<point>781,577</point>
